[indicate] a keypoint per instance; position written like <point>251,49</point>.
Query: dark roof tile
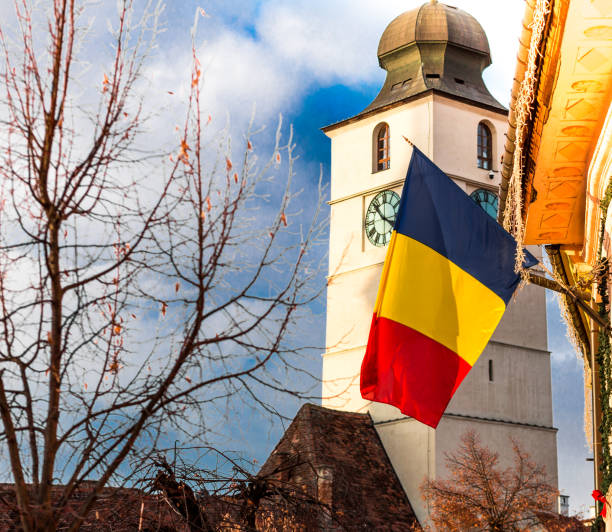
<point>342,458</point>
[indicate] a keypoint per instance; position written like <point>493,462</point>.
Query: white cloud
<point>240,72</point>
<point>270,53</point>
<point>291,47</point>
<point>327,42</point>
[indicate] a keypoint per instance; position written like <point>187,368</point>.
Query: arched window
<point>380,155</point>
<point>487,200</point>
<point>485,147</point>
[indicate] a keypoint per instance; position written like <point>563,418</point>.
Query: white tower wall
<point>518,401</point>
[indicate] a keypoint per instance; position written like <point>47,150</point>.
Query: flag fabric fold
<point>447,279</point>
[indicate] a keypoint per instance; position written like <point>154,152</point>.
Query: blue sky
<point>315,62</point>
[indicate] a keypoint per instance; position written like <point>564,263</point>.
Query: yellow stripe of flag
<point>426,292</point>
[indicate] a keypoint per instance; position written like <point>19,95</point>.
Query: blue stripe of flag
<point>437,213</point>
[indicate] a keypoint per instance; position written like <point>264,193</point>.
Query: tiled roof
<point>116,510</point>
<point>339,458</point>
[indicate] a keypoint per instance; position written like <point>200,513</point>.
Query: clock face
<point>380,217</point>
<point>487,200</point>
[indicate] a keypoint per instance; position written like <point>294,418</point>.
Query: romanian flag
<point>447,279</point>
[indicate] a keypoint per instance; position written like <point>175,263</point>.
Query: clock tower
<point>433,95</point>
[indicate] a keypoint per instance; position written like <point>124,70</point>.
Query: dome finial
<point>433,1</point>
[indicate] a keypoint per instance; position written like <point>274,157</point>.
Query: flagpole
<point>409,141</point>
<point>577,296</point>
<point>551,284</point>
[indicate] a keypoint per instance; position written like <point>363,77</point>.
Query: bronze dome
<point>434,22</point>
<point>434,49</point>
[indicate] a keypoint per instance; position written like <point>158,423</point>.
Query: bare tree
<point>137,289</point>
<point>479,495</point>
<point>227,495</point>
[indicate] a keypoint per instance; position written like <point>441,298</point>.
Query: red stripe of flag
<point>409,370</point>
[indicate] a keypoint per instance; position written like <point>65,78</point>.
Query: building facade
<point>434,96</point>
<point>557,184</point>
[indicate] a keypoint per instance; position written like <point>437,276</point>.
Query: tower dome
<point>435,47</point>
<point>434,23</point>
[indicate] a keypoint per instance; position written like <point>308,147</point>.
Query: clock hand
<point>390,222</point>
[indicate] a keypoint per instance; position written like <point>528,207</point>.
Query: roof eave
<point>370,112</point>
<point>519,76</point>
